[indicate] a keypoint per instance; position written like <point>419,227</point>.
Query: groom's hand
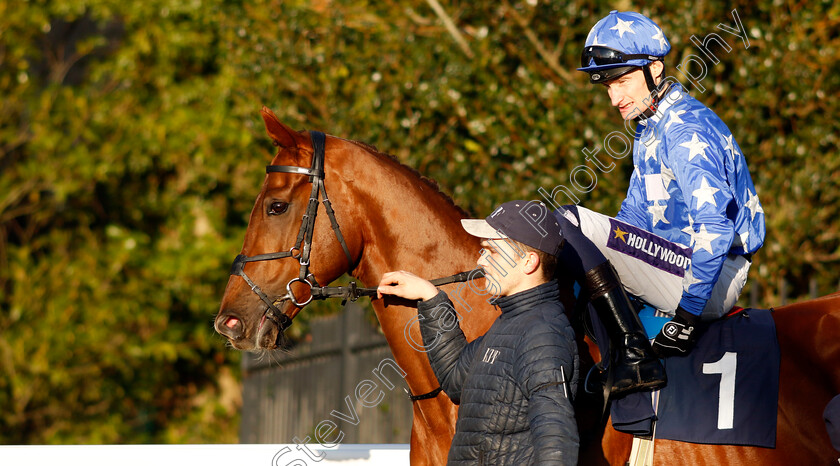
<point>406,285</point>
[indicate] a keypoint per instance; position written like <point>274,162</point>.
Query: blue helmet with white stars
<point>620,43</point>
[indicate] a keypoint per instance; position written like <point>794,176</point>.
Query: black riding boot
<point>634,366</point>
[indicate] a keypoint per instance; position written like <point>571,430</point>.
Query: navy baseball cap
<point>528,222</point>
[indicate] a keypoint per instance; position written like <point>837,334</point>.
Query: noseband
<point>303,247</point>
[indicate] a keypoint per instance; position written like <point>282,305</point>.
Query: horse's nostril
<point>230,327</point>
<point>232,322</point>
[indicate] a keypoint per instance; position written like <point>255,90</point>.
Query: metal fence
<point>334,381</point>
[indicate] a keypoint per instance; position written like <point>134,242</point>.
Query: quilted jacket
<point>514,384</point>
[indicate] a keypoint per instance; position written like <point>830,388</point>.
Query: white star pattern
<point>674,117</point>
<point>661,38</point>
<point>740,240</point>
<point>744,237</point>
<point>705,194</point>
<point>688,279</point>
<point>731,146</point>
<point>622,27</point>
<point>658,212</point>
<point>695,147</point>
<point>595,41</point>
<point>667,175</point>
<point>703,240</point>
<point>754,205</point>
<point>650,148</point>
<point>689,229</point>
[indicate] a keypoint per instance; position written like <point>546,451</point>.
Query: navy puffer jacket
<point>515,400</point>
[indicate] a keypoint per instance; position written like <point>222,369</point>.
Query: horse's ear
<point>281,134</point>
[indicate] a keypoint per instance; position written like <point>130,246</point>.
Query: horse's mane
<point>425,179</point>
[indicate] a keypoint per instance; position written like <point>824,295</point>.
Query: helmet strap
<point>654,92</point>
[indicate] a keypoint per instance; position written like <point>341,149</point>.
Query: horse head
<point>289,245</point>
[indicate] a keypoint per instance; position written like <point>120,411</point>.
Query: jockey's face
<point>630,92</point>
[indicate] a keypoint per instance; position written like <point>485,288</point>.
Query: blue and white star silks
<point>674,118</point>
<point>730,146</point>
<point>650,148</point>
<point>710,202</point>
<point>702,240</point>
<point>667,175</point>
<point>754,205</point>
<point>695,147</point>
<point>622,26</point>
<point>617,29</point>
<point>657,211</point>
<point>660,37</point>
<point>705,194</point>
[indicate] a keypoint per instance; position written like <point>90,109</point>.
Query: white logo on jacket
<point>490,355</point>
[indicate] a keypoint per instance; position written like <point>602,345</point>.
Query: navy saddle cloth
<point>725,391</point>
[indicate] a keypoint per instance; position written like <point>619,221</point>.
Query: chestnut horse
<point>390,218</point>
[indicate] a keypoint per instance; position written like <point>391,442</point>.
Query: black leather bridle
<point>303,246</point>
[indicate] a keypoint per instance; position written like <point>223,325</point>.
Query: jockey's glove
<point>678,336</point>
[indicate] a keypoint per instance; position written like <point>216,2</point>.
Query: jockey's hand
<point>678,335</point>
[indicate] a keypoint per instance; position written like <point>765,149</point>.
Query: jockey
<point>684,237</point>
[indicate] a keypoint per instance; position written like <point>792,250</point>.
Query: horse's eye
<point>277,207</point>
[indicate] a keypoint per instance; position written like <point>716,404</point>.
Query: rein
<point>303,247</point>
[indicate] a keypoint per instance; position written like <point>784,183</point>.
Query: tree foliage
<point>131,151</point>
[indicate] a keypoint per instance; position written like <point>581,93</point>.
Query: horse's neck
<point>402,223</point>
<point>407,224</point>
